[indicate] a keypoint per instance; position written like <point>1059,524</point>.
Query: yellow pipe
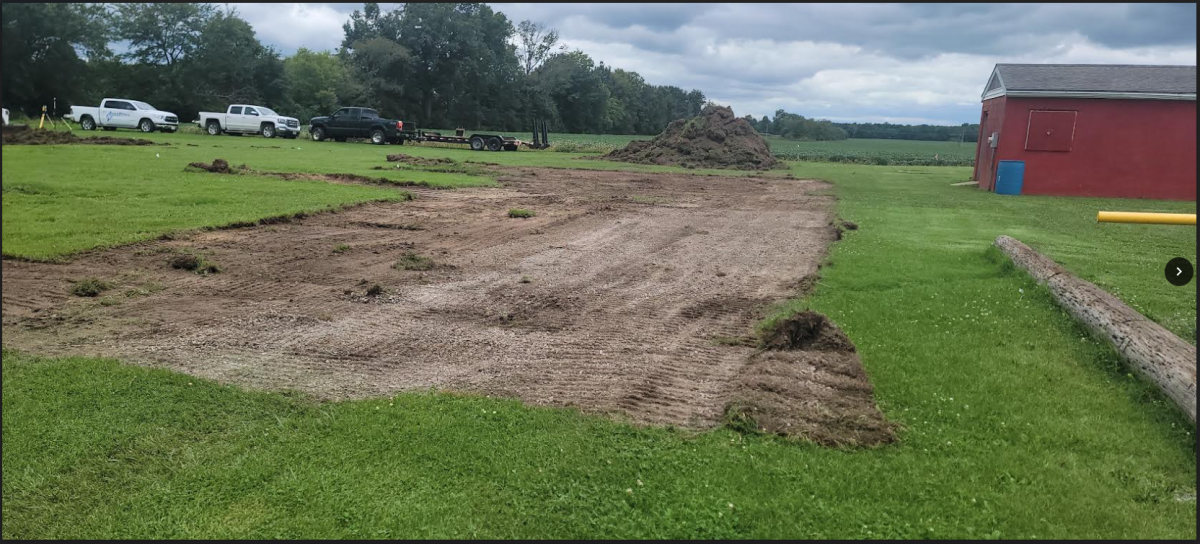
<point>1150,218</point>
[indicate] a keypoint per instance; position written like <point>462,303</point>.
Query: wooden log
<point>1153,351</point>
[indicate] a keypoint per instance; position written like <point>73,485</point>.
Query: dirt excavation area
<point>627,294</point>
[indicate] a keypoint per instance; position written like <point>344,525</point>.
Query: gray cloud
<point>899,62</point>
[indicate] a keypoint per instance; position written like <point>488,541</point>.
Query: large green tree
<point>316,84</point>
<point>46,49</point>
<point>230,65</point>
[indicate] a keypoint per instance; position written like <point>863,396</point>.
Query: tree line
<point>433,65</point>
<point>965,132</point>
<point>798,127</point>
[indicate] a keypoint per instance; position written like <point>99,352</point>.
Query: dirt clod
<point>850,225</point>
<point>715,139</point>
<point>807,330</point>
<point>218,166</point>
<point>51,137</point>
<point>185,261</point>
<point>193,263</point>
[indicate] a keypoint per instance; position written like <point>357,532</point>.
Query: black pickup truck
<point>357,123</point>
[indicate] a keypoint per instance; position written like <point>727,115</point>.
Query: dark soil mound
<point>218,166</point>
<point>50,137</point>
<point>419,161</point>
<point>822,397</point>
<point>715,139</point>
<point>809,385</point>
<point>808,331</point>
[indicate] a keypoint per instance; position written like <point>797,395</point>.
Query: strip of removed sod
<point>63,199</point>
<point>1015,423</point>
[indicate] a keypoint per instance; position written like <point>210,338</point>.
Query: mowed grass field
<point>1015,422</point>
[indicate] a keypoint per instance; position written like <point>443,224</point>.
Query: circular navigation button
<point>1179,271</point>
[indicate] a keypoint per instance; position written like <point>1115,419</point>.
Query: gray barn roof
<point>1093,81</point>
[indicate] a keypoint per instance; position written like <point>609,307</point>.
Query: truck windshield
<point>141,105</point>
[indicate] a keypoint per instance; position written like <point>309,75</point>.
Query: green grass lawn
<point>1015,422</point>
<point>62,199</point>
<point>918,232</point>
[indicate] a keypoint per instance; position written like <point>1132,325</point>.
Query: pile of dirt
<point>420,161</point>
<point>219,166</point>
<point>715,139</point>
<point>809,384</point>
<point>807,330</point>
<point>51,137</point>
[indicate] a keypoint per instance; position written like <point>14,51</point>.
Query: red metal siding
<point>990,121</point>
<point>1120,148</point>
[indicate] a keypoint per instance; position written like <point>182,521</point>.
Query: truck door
<point>117,113</point>
<point>337,121</point>
<point>233,119</point>
<point>250,119</point>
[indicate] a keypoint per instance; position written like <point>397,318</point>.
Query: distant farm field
<point>855,151</point>
<point>879,152</point>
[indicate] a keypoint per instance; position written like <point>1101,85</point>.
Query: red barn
<point>1091,130</point>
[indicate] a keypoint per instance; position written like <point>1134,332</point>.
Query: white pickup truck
<point>247,119</point>
<point>115,113</point>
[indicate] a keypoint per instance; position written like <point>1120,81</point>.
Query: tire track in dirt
<point>601,301</point>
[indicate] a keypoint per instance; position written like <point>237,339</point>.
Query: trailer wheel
<point>494,144</point>
<point>213,128</point>
<point>378,137</point>
<point>476,143</point>
<point>318,134</point>
<point>87,123</point>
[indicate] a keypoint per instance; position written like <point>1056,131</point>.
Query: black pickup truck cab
<point>357,123</point>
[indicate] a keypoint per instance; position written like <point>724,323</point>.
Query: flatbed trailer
<point>479,141</point>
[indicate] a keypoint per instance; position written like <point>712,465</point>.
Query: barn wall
<point>991,120</point>
<point>1120,148</point>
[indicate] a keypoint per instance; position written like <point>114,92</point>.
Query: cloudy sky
<point>902,63</point>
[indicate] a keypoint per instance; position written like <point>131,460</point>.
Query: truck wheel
<point>494,144</point>
<point>87,123</point>
<point>318,134</point>
<point>268,131</point>
<point>476,143</point>
<point>214,128</point>
<point>378,137</point>
<point>146,125</point>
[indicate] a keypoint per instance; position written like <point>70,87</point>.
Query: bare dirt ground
<point>613,298</point>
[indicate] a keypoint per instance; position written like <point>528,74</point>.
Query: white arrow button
<point>1178,271</point>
